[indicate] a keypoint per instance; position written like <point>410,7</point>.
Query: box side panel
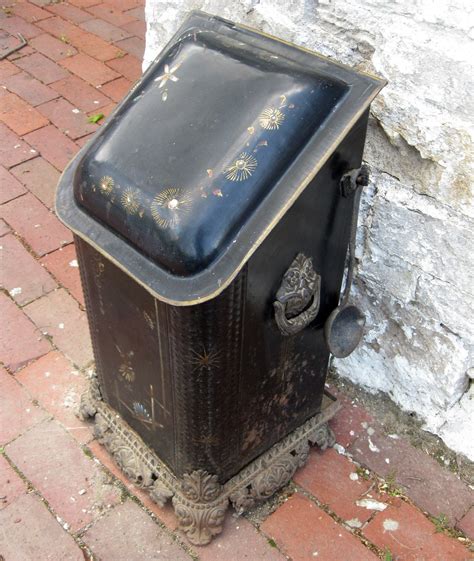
<point>283,376</point>
<point>129,350</point>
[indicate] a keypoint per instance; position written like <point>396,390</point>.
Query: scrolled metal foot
<point>200,507</point>
<point>88,404</point>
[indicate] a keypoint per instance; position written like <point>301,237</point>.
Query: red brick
<point>42,68</point>
<point>349,422</point>
<point>239,540</point>
<point>466,524</point>
<point>10,188</point>
<point>40,3</point>
<point>67,118</point>
<point>8,41</point>
<point>165,514</point>
<point>4,229</point>
<point>84,140</point>
<point>24,51</point>
<point>90,70</point>
<point>124,5</point>
<point>15,24</point>
<point>57,386</point>
<point>111,14</point>
<point>127,66</point>
<point>30,12</point>
<point>13,150</point>
<point>20,116</point>
<point>53,145</point>
<point>29,89</point>
<point>20,274</point>
<point>327,476</point>
<point>17,412</point>
<point>52,47</point>
<point>134,46</point>
<point>69,12</point>
<point>7,69</point>
<point>36,224</point>
<point>415,538</point>
<point>58,315</point>
<point>138,12</point>
<point>63,265</point>
<point>11,484</point>
<point>33,533</point>
<point>303,531</point>
<point>57,467</point>
<point>415,472</point>
<point>117,89</point>
<point>20,340</point>
<point>106,30</point>
<point>82,40</point>
<point>60,28</point>
<point>137,28</point>
<point>40,177</point>
<point>80,93</point>
<point>84,3</point>
<point>128,533</point>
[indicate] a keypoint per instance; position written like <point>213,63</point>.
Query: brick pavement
<point>61,495</point>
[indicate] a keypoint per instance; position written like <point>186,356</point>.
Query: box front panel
<point>129,351</point>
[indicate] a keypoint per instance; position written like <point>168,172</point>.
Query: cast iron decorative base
<point>199,500</point>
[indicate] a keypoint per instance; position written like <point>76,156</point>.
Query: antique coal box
<point>211,227</point>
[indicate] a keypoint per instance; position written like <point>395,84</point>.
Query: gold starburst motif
<point>130,200</point>
<point>168,206</point>
<point>241,168</point>
<point>271,118</point>
<point>205,359</point>
<point>106,186</point>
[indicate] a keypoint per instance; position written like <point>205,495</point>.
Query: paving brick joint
<point>62,497</point>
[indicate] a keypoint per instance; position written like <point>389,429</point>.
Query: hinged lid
<point>206,153</point>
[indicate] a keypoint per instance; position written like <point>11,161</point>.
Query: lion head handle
<point>297,299</point>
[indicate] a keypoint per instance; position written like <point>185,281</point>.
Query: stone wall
<point>415,265</point>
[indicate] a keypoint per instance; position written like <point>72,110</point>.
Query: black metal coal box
<point>212,217</point>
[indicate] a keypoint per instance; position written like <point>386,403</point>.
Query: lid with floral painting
<point>198,163</point>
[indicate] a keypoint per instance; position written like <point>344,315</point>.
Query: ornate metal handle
<point>298,298</point>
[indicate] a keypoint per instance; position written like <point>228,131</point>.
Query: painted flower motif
<point>242,168</point>
<point>106,186</point>
<point>126,371</point>
<point>130,200</point>
<point>168,74</point>
<point>167,207</point>
<point>140,411</point>
<point>271,118</point>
